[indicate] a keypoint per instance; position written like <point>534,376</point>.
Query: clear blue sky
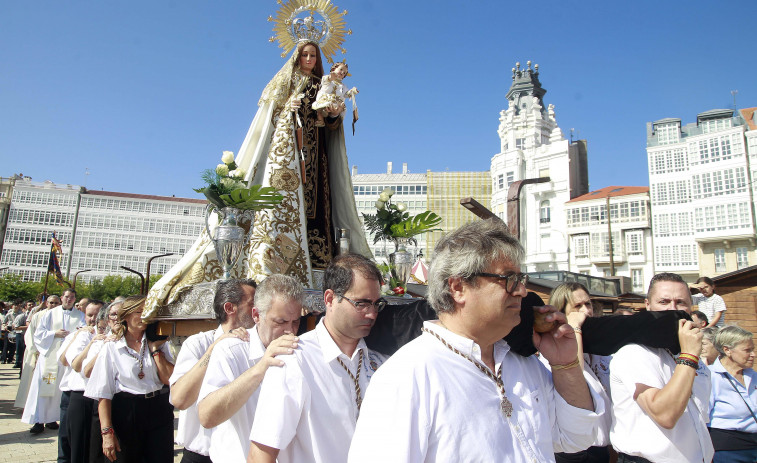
<point>146,94</point>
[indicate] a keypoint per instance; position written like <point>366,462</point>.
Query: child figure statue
<point>332,93</point>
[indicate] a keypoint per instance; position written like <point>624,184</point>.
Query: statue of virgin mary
<point>306,164</point>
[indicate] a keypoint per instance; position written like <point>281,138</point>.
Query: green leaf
<point>254,198</point>
<point>421,223</point>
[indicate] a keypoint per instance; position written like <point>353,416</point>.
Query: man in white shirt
<point>72,389</point>
<point>660,402</point>
<point>711,304</point>
<point>457,392</point>
<point>229,393</point>
<point>43,404</point>
<point>310,406</point>
<point>232,304</point>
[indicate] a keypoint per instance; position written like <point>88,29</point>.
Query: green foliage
<point>421,223</point>
<point>12,288</point>
<point>254,198</point>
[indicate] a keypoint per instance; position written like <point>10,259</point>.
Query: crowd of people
<point>466,379</point>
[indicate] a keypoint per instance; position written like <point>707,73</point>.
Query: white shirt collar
<point>329,349</point>
<point>257,349</point>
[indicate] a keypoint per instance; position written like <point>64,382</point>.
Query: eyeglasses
<point>363,306</point>
<point>512,279</point>
<point>113,315</point>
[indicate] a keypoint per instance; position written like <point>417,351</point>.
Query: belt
<point>161,391</point>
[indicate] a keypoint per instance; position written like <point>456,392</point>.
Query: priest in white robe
<point>43,401</point>
<point>30,353</point>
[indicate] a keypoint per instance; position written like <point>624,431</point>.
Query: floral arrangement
<point>226,188</point>
<point>392,221</point>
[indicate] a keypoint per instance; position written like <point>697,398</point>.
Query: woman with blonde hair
<point>733,401</point>
<point>130,379</point>
<point>573,300</point>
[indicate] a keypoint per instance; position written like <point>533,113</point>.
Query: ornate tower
<point>531,146</point>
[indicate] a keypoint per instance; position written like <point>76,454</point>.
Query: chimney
<point>404,167</point>
<point>354,171</point>
<point>389,167</point>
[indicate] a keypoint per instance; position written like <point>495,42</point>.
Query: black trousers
<point>623,458</point>
<point>96,439</point>
<point>79,424</point>
<point>64,447</point>
<point>194,457</point>
<point>144,428</point>
<point>20,347</point>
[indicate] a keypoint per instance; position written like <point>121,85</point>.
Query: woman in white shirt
<point>130,379</point>
<point>573,300</point>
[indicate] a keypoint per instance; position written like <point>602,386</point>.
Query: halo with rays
<point>295,21</point>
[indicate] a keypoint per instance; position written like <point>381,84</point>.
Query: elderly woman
<point>573,300</point>
<point>709,353</point>
<point>733,402</point>
<point>129,379</point>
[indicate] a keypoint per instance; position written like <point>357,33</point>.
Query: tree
<point>12,287</point>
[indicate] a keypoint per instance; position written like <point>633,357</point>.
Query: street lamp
<point>149,262</point>
<point>73,286</point>
<point>141,277</point>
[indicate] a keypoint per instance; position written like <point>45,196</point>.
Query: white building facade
<point>630,230</point>
<point>532,146</point>
<point>701,190</point>
<point>409,188</point>
<point>102,230</point>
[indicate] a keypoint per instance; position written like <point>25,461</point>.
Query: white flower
<point>237,173</point>
<point>231,183</point>
<point>228,157</point>
<point>222,170</point>
<point>380,205</point>
<point>384,197</point>
<point>401,207</point>
<point>388,191</point>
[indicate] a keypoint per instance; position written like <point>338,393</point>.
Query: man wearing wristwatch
<point>661,400</point>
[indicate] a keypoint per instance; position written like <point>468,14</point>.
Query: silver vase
<point>401,262</point>
<point>228,238</point>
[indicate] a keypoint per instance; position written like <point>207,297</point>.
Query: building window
<point>637,279</point>
<point>581,245</point>
<point>510,178</point>
<point>500,181</point>
<point>720,260</point>
<point>742,258</point>
<point>635,242</point>
<point>520,143</point>
<point>544,213</point>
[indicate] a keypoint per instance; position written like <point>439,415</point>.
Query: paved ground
<point>17,445</point>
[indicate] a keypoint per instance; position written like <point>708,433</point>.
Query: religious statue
<point>286,149</point>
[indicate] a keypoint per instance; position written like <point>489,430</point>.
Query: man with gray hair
<point>232,304</point>
<point>228,395</point>
<point>458,392</point>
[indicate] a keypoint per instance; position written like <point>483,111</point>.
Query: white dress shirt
<point>309,403</point>
<point>190,434</point>
<point>429,404</point>
<point>76,380</point>
<point>117,370</point>
<point>633,432</point>
<point>230,440</point>
<point>67,370</point>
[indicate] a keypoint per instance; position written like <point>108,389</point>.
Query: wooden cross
<point>49,379</point>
